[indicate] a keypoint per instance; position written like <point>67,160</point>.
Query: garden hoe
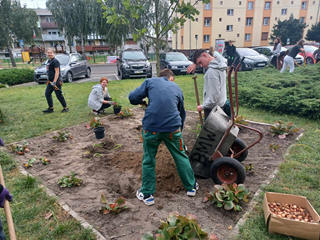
<point>12,233</point>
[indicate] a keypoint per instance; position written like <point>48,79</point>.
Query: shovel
<point>197,96</point>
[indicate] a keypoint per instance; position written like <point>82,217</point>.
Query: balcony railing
<point>90,48</point>
<point>48,25</point>
<point>52,37</point>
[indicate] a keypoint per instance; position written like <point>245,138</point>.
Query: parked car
<point>71,66</point>
<point>203,70</point>
<point>133,63</point>
<point>253,60</point>
<point>177,62</point>
<point>266,51</point>
<point>309,52</point>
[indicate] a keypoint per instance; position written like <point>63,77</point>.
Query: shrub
<point>16,76</point>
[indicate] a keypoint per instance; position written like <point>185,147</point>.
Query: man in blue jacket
<point>163,121</point>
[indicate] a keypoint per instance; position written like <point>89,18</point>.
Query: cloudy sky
<point>34,3</point>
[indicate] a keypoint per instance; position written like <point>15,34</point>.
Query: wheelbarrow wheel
<point>227,170</point>
<point>237,146</point>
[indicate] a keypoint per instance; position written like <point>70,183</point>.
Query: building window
<point>250,5</point>
<point>304,5</point>
<point>310,17</point>
<point>181,39</point>
<point>264,36</point>
<point>267,5</point>
<point>49,33</point>
<point>182,26</point>
<point>207,6</point>
<point>247,37</point>
<point>266,21</point>
<point>49,19</point>
<point>239,2</point>
<point>221,2</point>
<point>207,22</point>
<point>278,2</point>
<point>239,19</point>
<point>52,44</point>
<point>276,18</point>
<point>230,12</point>
<point>238,35</point>
<point>229,28</point>
<point>283,11</point>
<point>302,19</point>
<point>292,2</point>
<point>196,3</point>
<point>196,19</point>
<point>219,35</point>
<point>249,22</point>
<point>314,2</point>
<point>206,38</point>
<point>220,19</point>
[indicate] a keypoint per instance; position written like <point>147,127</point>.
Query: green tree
<point>16,23</point>
<point>291,28</point>
<point>313,34</point>
<point>150,20</point>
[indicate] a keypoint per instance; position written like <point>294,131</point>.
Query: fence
<point>6,63</point>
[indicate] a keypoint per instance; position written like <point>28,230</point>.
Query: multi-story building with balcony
<point>248,22</point>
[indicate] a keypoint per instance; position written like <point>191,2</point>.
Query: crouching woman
<point>99,98</point>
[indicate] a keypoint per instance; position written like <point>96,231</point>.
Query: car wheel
<point>88,73</point>
<point>69,77</point>
<point>309,60</point>
<point>121,74</point>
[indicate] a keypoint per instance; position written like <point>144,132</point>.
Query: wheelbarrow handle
<point>197,96</point>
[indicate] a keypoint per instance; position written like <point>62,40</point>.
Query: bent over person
<point>54,83</point>
<point>163,121</point>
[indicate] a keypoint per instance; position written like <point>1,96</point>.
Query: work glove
<point>1,142</point>
<point>144,103</point>
<point>53,84</point>
<point>111,103</point>
<point>4,194</point>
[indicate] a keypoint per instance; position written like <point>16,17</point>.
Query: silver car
<point>71,66</point>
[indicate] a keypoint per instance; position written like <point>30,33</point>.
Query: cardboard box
<point>304,230</point>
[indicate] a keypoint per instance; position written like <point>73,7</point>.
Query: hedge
<point>296,93</point>
<point>16,76</point>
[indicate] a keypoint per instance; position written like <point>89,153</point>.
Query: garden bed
<point>112,166</point>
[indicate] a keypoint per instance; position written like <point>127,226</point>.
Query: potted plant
<point>116,107</point>
<point>98,127</point>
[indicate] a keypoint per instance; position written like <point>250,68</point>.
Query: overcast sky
<point>34,3</point>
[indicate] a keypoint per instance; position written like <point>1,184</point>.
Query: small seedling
<point>97,154</point>
<point>117,146</point>
<point>94,123</point>
<point>241,120</point>
<point>126,112</point>
<point>63,136</point>
<point>117,104</point>
<point>249,168</point>
<point>96,145</point>
<point>70,180</point>
<point>30,162</point>
<point>180,227</point>
<point>116,207</point>
<point>274,147</point>
<point>228,195</point>
<point>20,149</point>
<point>281,129</point>
<point>44,161</point>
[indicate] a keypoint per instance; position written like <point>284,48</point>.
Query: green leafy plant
<point>126,112</point>
<point>63,136</point>
<point>44,161</point>
<point>274,147</point>
<point>94,123</point>
<point>228,196</point>
<point>4,85</point>
<point>282,129</point>
<point>117,104</point>
<point>116,207</point>
<point>16,76</point>
<point>180,227</point>
<point>241,120</point>
<point>30,162</point>
<point>249,168</point>
<point>70,180</point>
<point>20,149</point>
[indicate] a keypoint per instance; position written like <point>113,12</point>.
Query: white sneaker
<point>95,112</point>
<point>147,200</point>
<point>193,192</point>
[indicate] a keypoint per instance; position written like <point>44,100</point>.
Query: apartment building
<point>248,22</point>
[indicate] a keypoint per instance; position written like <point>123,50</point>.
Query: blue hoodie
<point>165,111</point>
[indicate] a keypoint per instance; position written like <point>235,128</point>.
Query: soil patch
<point>113,166</point>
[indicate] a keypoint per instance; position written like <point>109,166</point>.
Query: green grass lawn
<point>22,108</point>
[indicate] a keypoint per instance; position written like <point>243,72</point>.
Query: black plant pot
<point>116,110</point>
<point>99,131</point>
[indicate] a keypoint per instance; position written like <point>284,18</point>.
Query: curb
<point>66,207</point>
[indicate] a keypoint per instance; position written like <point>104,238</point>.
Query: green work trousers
<point>174,143</point>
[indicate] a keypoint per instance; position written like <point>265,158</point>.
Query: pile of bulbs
<point>290,211</point>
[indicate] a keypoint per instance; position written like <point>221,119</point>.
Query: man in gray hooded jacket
<point>214,89</point>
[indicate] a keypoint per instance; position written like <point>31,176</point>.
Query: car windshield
<point>134,55</point>
<point>176,57</point>
<point>247,52</point>
<point>63,59</point>
<point>310,48</point>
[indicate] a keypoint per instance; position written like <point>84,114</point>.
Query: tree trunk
<point>82,47</point>
<point>157,37</point>
<point>11,57</point>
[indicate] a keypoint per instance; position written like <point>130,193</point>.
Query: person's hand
<point>111,103</point>
<point>144,103</point>
<point>1,142</point>
<point>53,84</point>
<point>199,108</point>
<point>191,68</point>
<point>4,195</point>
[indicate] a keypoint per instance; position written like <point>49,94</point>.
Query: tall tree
<point>150,20</point>
<point>16,23</point>
<point>313,34</point>
<point>291,28</point>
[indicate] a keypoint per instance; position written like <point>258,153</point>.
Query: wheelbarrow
<point>218,152</point>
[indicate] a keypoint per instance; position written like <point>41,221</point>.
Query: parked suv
<point>133,63</point>
<point>71,66</point>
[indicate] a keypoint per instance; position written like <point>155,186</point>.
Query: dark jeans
<point>58,93</point>
<point>2,235</point>
<point>226,109</point>
<point>274,61</point>
<point>105,105</point>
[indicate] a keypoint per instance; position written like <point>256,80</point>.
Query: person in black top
<point>289,59</point>
<point>231,53</point>
<point>316,55</point>
<point>54,83</point>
